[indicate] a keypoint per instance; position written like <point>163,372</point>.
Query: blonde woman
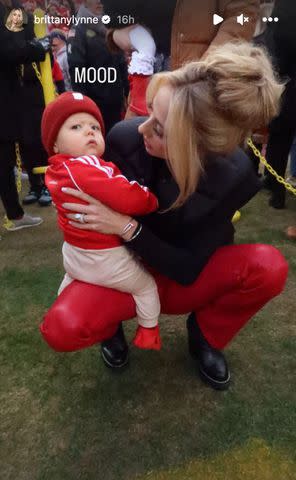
<point>187,153</point>
<point>14,21</point>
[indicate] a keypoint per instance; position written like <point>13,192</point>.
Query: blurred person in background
<point>280,40</point>
<point>70,5</point>
<point>15,50</point>
<point>66,8</point>
<point>57,76</point>
<point>266,7</point>
<point>31,108</point>
<point>291,231</point>
<point>51,12</point>
<point>139,47</point>
<point>30,6</point>
<point>260,138</point>
<point>182,31</point>
<point>59,50</point>
<point>292,178</point>
<point>57,15</point>
<point>87,49</point>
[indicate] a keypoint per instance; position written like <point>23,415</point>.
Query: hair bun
<point>244,86</point>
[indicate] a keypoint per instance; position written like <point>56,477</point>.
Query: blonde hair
<point>9,26</point>
<point>216,103</point>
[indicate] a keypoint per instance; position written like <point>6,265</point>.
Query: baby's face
<point>80,135</point>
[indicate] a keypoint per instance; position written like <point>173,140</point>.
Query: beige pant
<point>114,268</point>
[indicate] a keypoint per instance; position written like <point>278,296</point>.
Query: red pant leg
<point>237,282</point>
<point>85,314</point>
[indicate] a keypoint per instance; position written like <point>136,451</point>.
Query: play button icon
<point>217,19</point>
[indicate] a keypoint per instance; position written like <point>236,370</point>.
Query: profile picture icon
<point>15,20</point>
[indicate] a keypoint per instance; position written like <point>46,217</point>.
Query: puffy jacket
<point>193,30</point>
<point>179,243</point>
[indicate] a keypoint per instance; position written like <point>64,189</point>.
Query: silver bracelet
<point>137,232</point>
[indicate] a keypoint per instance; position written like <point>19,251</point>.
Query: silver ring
<point>80,217</point>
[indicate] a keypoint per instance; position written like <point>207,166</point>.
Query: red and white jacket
<point>103,181</point>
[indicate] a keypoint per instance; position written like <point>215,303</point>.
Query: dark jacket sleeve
<point>77,59</point>
<point>14,50</point>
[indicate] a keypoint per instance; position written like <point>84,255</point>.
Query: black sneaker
<point>31,197</point>
<point>45,199</point>
<point>114,351</point>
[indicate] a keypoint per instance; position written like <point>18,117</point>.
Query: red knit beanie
<point>57,112</point>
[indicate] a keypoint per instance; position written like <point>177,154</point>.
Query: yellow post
<point>45,67</point>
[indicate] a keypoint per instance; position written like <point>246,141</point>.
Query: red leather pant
<point>236,283</point>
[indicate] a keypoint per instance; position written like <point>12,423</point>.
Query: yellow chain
<point>34,65</point>
<point>38,74</point>
<point>8,223</point>
<point>269,168</point>
<point>19,168</point>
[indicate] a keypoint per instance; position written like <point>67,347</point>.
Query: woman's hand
<point>96,216</point>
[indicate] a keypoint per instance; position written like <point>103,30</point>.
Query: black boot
<point>114,351</point>
<point>212,365</point>
<point>278,200</point>
<point>278,195</point>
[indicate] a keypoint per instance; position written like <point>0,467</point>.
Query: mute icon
<point>241,19</point>
<point>217,19</point>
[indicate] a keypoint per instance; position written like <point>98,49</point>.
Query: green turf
<point>65,416</point>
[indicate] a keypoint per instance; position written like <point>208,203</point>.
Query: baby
<point>72,133</point>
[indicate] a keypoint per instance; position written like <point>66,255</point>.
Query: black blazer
<point>179,243</point>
